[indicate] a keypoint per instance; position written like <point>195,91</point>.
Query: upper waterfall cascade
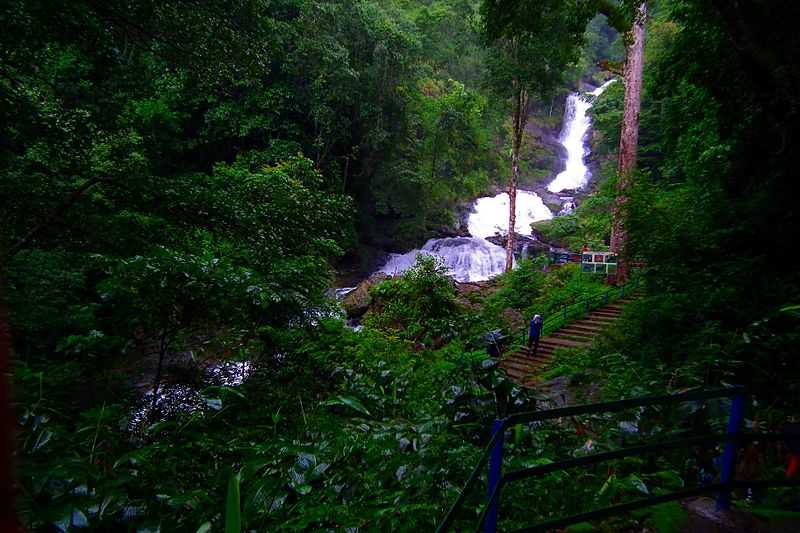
<point>573,137</point>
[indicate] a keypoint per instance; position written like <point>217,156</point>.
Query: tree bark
<point>520,118</point>
<point>629,137</point>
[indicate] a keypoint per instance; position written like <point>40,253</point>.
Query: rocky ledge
<point>523,245</point>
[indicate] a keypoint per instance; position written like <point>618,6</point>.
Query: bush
<point>420,305</point>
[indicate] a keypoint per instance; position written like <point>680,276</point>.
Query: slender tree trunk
<point>520,118</point>
<point>629,137</point>
<point>163,344</point>
<point>512,205</point>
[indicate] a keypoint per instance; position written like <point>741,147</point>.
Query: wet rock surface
<point>524,245</point>
<point>358,301</point>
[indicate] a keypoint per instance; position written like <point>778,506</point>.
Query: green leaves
<point>419,305</point>
<point>233,511</point>
<point>348,401</point>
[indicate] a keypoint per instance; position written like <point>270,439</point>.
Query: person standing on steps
<point>534,334</point>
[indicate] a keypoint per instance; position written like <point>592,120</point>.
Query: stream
<point>473,258</point>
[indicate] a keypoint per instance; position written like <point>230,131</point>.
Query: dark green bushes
<point>535,288</point>
<point>420,305</point>
<point>352,430</point>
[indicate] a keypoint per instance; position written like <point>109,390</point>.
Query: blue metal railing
<point>493,454</point>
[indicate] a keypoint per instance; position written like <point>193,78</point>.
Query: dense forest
<point>187,185</point>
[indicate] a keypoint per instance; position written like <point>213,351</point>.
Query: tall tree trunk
<point>520,118</point>
<point>163,345</point>
<point>629,137</point>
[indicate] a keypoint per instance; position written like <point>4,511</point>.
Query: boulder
<point>444,232</point>
<point>531,245</point>
<point>467,288</point>
<point>357,301</point>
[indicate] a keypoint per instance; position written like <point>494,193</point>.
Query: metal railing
<point>558,316</point>
<point>493,454</point>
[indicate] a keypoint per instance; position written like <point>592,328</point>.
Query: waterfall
<point>576,124</point>
<point>467,258</point>
<point>474,258</point>
<point>567,205</point>
<point>490,214</point>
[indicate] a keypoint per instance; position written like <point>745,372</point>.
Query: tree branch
<point>60,211</point>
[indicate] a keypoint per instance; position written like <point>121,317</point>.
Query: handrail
<point>622,508</point>
<point>596,458</point>
<point>563,312</point>
<point>602,407</point>
<point>606,294</point>
<point>447,521</point>
<point>621,405</point>
<point>627,452</point>
<point>654,500</point>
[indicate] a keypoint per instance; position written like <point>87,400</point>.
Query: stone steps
<point>521,367</point>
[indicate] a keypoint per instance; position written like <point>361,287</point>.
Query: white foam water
<point>576,125</point>
<point>467,258</point>
<point>474,258</point>
<point>490,214</point>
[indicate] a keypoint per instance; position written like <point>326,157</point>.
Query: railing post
<point>605,298</point>
<point>731,448</point>
<point>586,306</point>
<point>495,462</point>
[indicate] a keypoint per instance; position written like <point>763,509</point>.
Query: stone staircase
<point>522,368</point>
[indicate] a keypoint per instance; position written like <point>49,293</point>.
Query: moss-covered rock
<point>357,301</point>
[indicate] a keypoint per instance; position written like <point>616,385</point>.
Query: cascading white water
<point>567,205</point>
<point>576,124</point>
<point>467,258</point>
<point>490,214</point>
<point>474,258</point>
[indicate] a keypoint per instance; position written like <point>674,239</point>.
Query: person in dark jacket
<point>534,334</point>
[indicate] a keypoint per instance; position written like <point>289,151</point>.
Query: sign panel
<point>598,262</point>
